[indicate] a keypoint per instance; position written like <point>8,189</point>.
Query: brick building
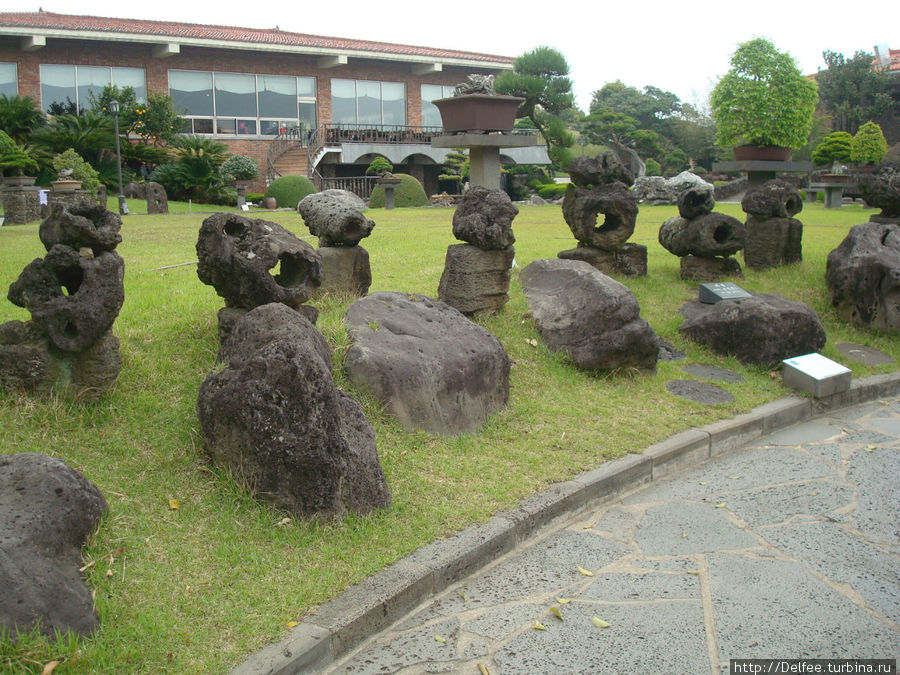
<point>295,103</point>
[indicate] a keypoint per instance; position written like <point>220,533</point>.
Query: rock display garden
<point>74,295</point>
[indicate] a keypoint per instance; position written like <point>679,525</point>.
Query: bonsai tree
<point>81,170</point>
<point>868,145</point>
<point>240,168</point>
<point>379,166</point>
<point>764,99</point>
<point>835,147</point>
<point>14,161</point>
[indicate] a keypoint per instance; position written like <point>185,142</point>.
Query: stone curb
<point>376,602</point>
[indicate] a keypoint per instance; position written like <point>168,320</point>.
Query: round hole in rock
<point>234,228</point>
<point>70,279</point>
<point>721,234</point>
<point>289,271</point>
<point>70,330</point>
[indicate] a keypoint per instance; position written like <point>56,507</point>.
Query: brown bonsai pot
<point>478,113</point>
<point>18,181</point>
<point>66,185</point>
<point>772,153</point>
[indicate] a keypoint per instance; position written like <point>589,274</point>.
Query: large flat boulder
<point>588,315</point>
<point>273,416</point>
<point>47,512</point>
<point>863,276</point>
<point>761,330</point>
<point>434,369</point>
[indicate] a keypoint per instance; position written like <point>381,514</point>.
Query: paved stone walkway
<point>786,548</point>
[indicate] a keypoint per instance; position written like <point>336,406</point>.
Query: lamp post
<point>114,108</point>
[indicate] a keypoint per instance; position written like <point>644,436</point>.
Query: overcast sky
<point>682,47</point>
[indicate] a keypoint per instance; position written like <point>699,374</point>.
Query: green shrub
<point>254,197</point>
<point>552,190</point>
<point>409,193</point>
<point>652,167</point>
<point>14,161</point>
<point>834,147</point>
<point>869,144</point>
<point>289,190</point>
<point>699,171</point>
<point>240,167</point>
<point>81,170</point>
<point>378,166</point>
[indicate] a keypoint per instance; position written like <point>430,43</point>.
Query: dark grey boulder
<point>772,242</point>
<point>696,201</point>
<point>863,276</point>
<point>773,199</point>
<point>629,261</point>
<point>484,218</point>
<point>760,330</point>
<point>346,270</point>
<point>706,236</point>
<point>73,297</point>
<point>47,512</point>
<point>581,206</point>
<point>274,418</point>
<point>605,168</point>
<point>334,220</point>
<point>82,225</point>
<point>881,189</point>
<point>476,280</point>
<point>433,368</point>
<point>586,314</point>
<point>237,256</point>
<point>157,199</point>
<point>693,268</point>
<point>25,360</point>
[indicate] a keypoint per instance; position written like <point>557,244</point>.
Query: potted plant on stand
<point>242,171</point>
<point>763,107</point>
<point>21,201</point>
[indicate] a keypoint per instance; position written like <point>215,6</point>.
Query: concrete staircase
<point>294,162</point>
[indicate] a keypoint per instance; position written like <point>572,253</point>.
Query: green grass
<point>199,588</point>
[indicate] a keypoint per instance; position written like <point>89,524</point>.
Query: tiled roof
<point>188,31</point>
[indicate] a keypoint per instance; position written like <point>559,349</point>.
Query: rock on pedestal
<point>694,268</point>
<point>475,280</point>
<point>774,236</point>
<point>863,276</point>
<point>345,270</point>
<point>630,260</point>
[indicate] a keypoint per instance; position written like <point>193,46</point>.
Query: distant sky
<point>682,47</point>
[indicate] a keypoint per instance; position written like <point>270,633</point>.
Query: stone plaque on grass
<point>712,293</point>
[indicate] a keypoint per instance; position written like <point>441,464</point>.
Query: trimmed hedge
<point>289,190</point>
<point>552,191</point>
<point>409,193</point>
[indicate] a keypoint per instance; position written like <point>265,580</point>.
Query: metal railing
<point>359,185</point>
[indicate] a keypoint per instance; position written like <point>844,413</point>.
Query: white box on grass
<point>816,374</point>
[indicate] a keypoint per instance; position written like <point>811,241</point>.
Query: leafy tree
<point>653,168</point>
<point>853,90</point>
<point>20,116</point>
<point>541,78</point>
<point>835,147</point>
<point>240,167</point>
<point>868,145</point>
<point>13,159</point>
<point>654,109</point>
<point>154,122</point>
<point>764,99</point>
<point>622,133</point>
<point>456,167</point>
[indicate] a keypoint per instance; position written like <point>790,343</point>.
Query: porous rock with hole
<point>434,369</point>
<point>774,236</point>
<point>863,276</point>
<point>761,330</point>
<point>47,512</point>
<point>273,417</point>
<point>589,316</point>
<point>237,255</point>
<point>74,295</point>
<point>600,186</point>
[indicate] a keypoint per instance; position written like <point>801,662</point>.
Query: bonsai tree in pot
<point>14,161</point>
<point>80,170</point>
<point>764,100</point>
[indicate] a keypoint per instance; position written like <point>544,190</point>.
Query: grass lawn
<point>197,589</point>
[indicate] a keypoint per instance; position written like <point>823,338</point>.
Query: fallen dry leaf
<point>539,626</point>
<point>600,623</point>
<point>49,667</point>
<point>720,505</point>
<point>483,669</point>
<point>585,572</point>
<point>564,601</point>
<point>555,612</point>
<point>291,624</point>
<point>440,639</point>
<point>173,505</point>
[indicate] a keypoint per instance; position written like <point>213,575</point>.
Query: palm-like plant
<point>20,116</point>
<point>90,135</point>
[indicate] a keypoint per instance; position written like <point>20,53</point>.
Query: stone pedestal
<point>68,197</point>
<point>484,153</point>
<point>21,204</point>
<point>345,270</point>
<point>630,260</point>
<point>694,268</point>
<point>760,171</point>
<point>772,242</point>
<point>475,280</point>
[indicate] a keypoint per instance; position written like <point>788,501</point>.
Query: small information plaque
<point>713,293</point>
<point>816,374</point>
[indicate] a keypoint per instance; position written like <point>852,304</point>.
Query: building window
<point>431,117</point>
<point>9,81</point>
<point>366,102</point>
<point>243,103</point>
<point>68,89</point>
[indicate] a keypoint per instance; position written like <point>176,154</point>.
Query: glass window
<point>277,95</point>
<point>343,101</point>
<point>306,86</point>
<point>368,102</point>
<point>431,117</point>
<point>203,126</point>
<point>191,91</point>
<point>246,127</point>
<point>235,94</point>
<point>8,79</point>
<point>58,86</point>
<point>225,125</point>
<point>91,80</point>
<point>308,118</point>
<point>131,77</point>
<point>393,96</point>
<point>269,127</point>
